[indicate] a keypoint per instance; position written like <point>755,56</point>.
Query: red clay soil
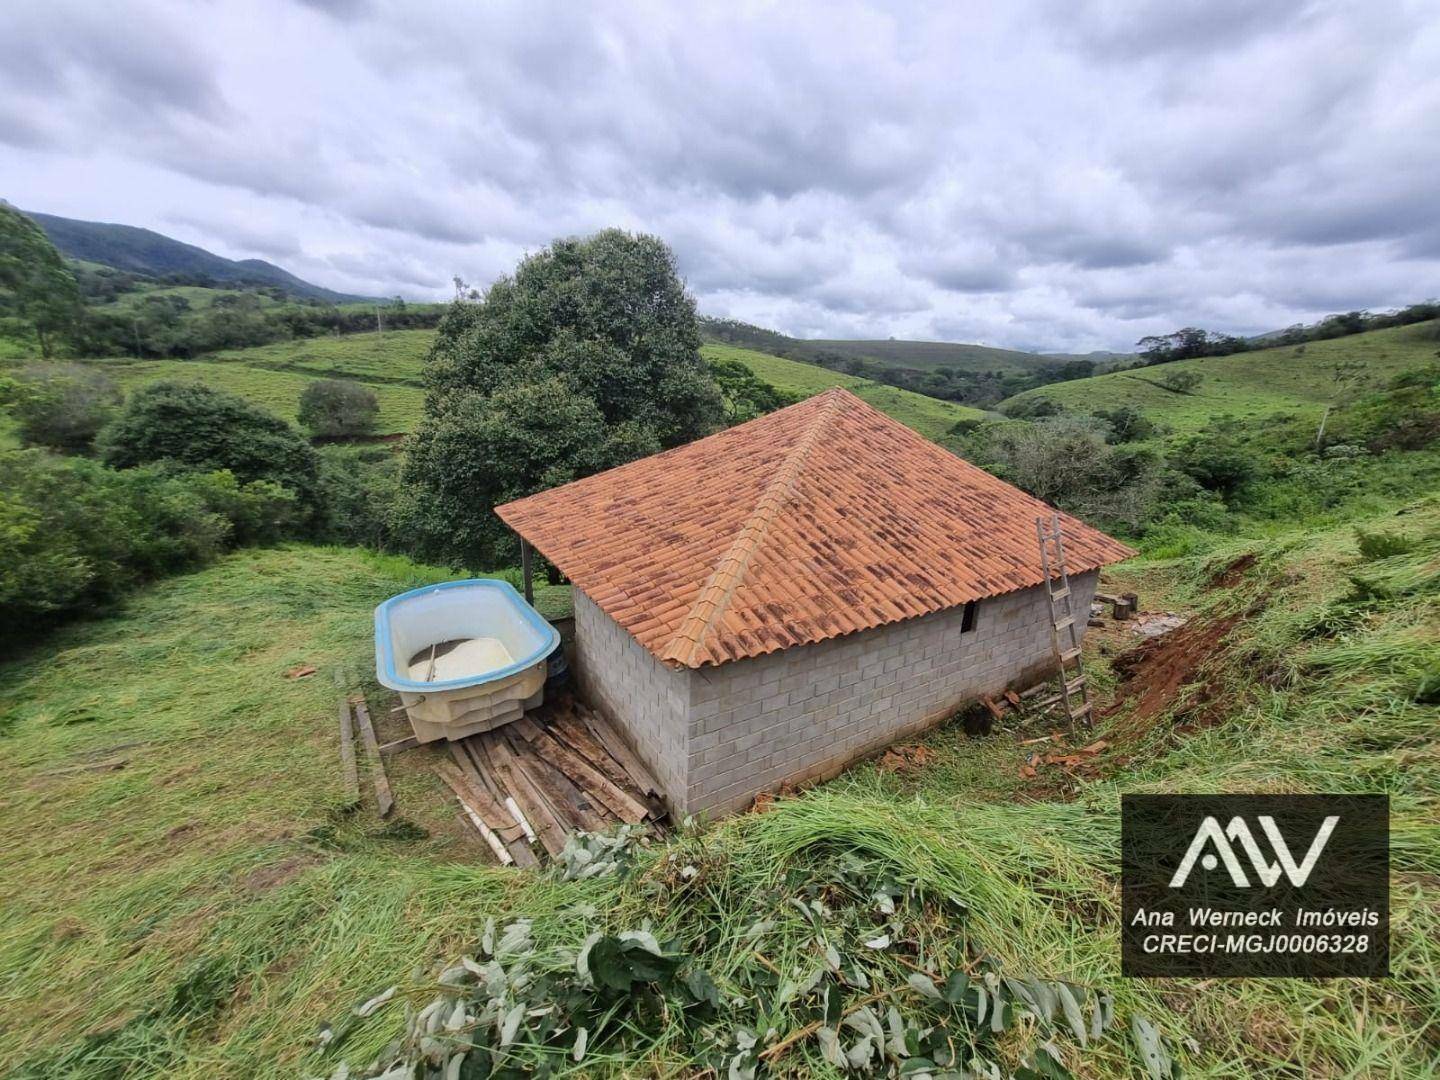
<point>1153,673</point>
<point>1234,573</point>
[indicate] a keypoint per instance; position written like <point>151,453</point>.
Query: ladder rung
<point>1068,655</point>
<point>1074,684</point>
<point>1083,710</point>
<point>1061,593</point>
<point>1065,623</point>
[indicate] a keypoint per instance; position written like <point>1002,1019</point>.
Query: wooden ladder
<point>1064,634</point>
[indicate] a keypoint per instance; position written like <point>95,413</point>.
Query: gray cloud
<point>1042,174</point>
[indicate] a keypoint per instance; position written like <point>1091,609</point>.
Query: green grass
<point>929,355</point>
<point>279,391</point>
<point>396,356</point>
<point>931,417</point>
<point>208,904</point>
<point>1289,380</point>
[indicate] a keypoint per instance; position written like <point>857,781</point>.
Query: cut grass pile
<point>201,910</point>
<point>278,391</point>
<point>929,416</point>
<point>1292,380</point>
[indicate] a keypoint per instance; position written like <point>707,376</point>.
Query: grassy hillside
<point>396,356</point>
<point>278,391</point>
<point>932,354</point>
<point>929,416</point>
<point>1298,380</point>
<point>187,898</point>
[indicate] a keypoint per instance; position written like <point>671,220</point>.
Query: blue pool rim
<point>385,657</point>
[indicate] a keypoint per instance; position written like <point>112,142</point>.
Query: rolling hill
<point>918,355</point>
<point>152,254</point>
<point>929,416</point>
<point>392,363</point>
<point>1295,380</point>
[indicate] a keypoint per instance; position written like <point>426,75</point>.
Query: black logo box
<point>1255,929</point>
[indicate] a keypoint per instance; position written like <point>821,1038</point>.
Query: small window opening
<point>967,620</point>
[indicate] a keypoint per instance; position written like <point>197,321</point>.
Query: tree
<point>1181,382</point>
<point>199,427</point>
<point>489,450</point>
<point>338,408</point>
<point>34,281</point>
<point>600,329</point>
<point>62,406</point>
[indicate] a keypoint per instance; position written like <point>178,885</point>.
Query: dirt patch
<point>264,878</point>
<point>1233,574</point>
<point>1153,674</point>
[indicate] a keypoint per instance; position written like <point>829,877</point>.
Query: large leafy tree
<point>35,284</point>
<point>589,356</point>
<point>198,427</point>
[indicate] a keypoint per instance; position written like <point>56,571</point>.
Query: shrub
<point>1127,424</point>
<point>202,428</point>
<point>62,406</point>
<point>1382,545</point>
<point>361,487</point>
<point>1181,382</point>
<point>338,408</point>
<point>1215,460</point>
<point>74,533</point>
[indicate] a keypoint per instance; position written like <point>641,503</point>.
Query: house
<point>769,603</point>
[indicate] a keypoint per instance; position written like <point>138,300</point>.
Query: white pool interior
<point>474,656</point>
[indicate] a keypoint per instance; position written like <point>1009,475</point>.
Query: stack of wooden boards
<point>533,782</point>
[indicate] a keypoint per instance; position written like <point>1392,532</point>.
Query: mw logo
<point>1237,831</point>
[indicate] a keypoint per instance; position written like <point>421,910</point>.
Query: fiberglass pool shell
<point>480,608</point>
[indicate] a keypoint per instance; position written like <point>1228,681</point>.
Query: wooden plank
<point>472,762</point>
<point>624,806</point>
<point>383,796</point>
<point>574,734</point>
<point>495,816</point>
<point>615,744</point>
<point>496,821</point>
<point>350,772</point>
<point>518,786</point>
<point>407,743</point>
<point>573,806</point>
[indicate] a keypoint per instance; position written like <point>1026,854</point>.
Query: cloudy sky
<point>1054,175</point>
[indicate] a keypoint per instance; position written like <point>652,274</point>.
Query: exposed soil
<point>1153,673</point>
<point>1232,575</point>
<point>263,878</point>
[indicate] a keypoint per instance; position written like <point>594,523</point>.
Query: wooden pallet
<point>562,769</point>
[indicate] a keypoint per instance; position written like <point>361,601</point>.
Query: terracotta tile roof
<point>821,519</point>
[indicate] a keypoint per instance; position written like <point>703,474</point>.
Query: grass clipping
<point>832,930</point>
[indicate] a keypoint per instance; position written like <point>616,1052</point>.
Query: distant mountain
<point>912,355</point>
<point>151,254</point>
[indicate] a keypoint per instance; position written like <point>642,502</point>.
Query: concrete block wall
<point>647,699</point>
<point>809,711</point>
<point>718,736</point>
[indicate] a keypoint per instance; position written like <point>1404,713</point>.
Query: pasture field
<point>931,417</point>
<point>188,897</point>
<point>928,355</point>
<point>1293,380</point>
<point>278,391</point>
<point>396,356</point>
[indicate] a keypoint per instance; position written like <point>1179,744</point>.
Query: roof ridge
<point>715,595</point>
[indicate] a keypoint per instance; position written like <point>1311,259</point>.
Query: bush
<point>361,488</point>
<point>62,406</point>
<point>202,428</point>
<point>1382,545</point>
<point>74,533</point>
<point>1215,460</point>
<point>338,408</point>
<point>1127,424</point>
